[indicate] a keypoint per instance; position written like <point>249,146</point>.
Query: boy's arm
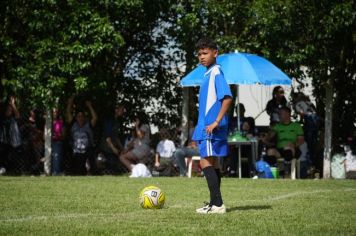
<point>224,108</point>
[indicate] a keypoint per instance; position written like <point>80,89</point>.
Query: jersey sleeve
<point>222,88</point>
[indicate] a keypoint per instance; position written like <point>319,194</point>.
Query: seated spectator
<point>181,153</point>
<point>338,163</point>
<point>275,104</point>
<point>138,150</point>
<point>351,162</point>
<point>311,120</point>
<point>113,139</point>
<point>10,136</point>
<point>57,142</point>
<point>288,136</point>
<point>164,154</point>
<point>248,128</point>
<point>82,138</point>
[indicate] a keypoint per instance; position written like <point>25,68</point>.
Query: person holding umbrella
<point>212,129</point>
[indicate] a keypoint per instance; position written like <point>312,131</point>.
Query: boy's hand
<point>210,128</point>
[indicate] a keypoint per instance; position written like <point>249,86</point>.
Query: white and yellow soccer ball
<point>152,197</point>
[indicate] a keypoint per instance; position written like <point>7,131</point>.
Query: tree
<point>318,36</point>
<point>112,50</point>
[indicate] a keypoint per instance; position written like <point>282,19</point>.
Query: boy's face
<point>207,56</point>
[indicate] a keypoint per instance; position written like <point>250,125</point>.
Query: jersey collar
<point>211,69</point>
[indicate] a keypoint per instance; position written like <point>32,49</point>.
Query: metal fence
<point>29,157</point>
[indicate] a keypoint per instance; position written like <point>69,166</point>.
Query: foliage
<point>103,50</point>
<point>135,51</point>
<point>317,36</point>
<point>50,48</point>
<point>303,38</point>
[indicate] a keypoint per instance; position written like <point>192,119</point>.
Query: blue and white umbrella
<point>241,68</point>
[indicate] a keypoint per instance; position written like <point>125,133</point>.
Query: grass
<point>109,206</point>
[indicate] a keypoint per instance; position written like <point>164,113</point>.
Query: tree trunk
<point>48,144</point>
<point>328,128</point>
<point>185,116</point>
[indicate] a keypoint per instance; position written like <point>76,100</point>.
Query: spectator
<point>164,154</point>
<point>248,128</point>
<point>310,119</point>
<point>138,150</point>
<point>34,128</point>
<point>288,136</point>
<point>10,137</point>
<point>351,162</point>
<point>275,104</point>
<point>338,163</point>
<point>181,153</point>
<point>57,141</point>
<point>113,140</point>
<point>82,138</point>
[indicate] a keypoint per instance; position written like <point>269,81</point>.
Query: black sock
<point>219,176</point>
<point>213,184</point>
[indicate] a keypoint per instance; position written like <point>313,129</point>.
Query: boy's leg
<point>212,178</point>
<point>217,170</point>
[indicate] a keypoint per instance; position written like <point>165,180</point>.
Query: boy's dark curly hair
<point>206,43</point>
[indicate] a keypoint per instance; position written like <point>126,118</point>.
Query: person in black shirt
<point>275,104</point>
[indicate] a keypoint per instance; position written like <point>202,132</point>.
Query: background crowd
<point>83,143</point>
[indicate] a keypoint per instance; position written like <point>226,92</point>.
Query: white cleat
<point>212,209</point>
<point>204,208</point>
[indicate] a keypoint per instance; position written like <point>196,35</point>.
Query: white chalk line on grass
<point>291,195</point>
<point>85,215</point>
<point>59,216</point>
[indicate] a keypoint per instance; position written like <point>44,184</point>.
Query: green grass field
<point>109,206</point>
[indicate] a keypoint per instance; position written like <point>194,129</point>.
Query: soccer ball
<point>152,197</point>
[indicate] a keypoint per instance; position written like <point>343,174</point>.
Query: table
<point>254,150</point>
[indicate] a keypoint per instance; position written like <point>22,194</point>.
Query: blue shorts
<point>213,148</point>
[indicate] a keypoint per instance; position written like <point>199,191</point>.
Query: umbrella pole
<point>238,107</point>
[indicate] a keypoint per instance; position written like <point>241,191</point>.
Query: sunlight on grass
<point>109,205</point>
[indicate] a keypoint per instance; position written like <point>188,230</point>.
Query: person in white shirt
<point>164,153</point>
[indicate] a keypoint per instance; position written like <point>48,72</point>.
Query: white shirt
<point>165,148</point>
<point>350,162</point>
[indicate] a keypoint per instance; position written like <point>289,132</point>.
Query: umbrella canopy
<point>241,68</point>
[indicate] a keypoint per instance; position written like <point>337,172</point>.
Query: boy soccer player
<point>212,128</point>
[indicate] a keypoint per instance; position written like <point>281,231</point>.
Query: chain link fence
<point>28,158</point>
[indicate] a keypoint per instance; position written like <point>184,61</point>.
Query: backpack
<point>263,170</point>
